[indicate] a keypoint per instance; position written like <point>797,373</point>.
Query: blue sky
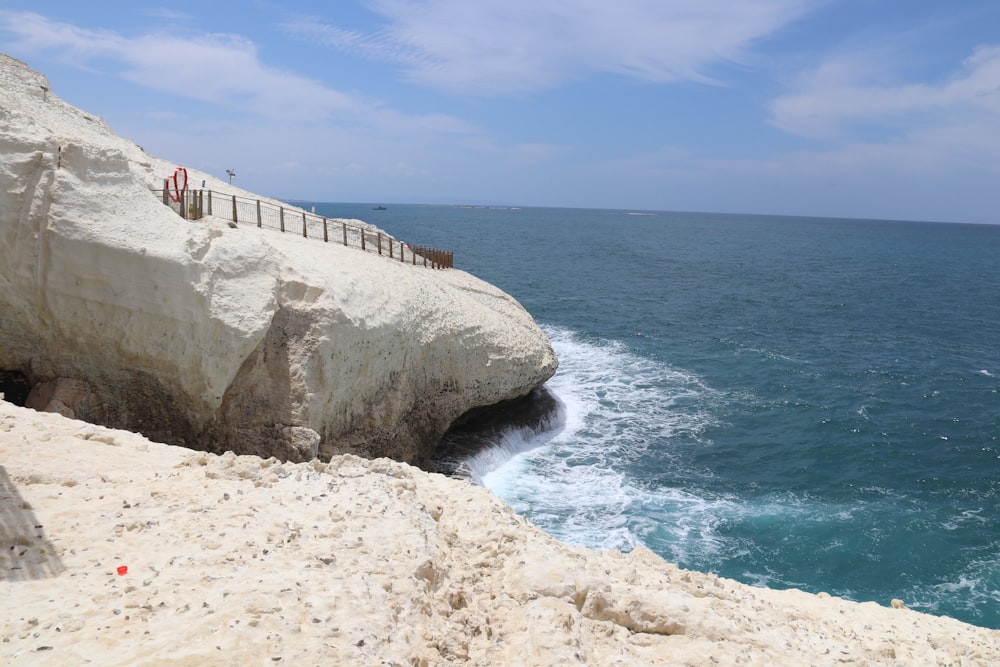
<point>853,108</point>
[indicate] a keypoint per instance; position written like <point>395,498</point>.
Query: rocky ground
<point>238,560</point>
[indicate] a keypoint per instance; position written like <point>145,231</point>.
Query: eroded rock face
<point>118,311</point>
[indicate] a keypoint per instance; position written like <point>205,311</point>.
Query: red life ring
<point>177,194</point>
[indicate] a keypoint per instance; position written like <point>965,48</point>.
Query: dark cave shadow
<point>483,428</point>
<point>25,552</point>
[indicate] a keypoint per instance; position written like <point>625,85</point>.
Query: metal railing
<point>196,204</point>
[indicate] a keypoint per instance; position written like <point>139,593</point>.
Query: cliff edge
<point>118,311</point>
<point>120,551</point>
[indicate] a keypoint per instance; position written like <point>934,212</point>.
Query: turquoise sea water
<point>789,402</point>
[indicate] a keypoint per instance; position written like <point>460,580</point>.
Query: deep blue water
<point>789,402</point>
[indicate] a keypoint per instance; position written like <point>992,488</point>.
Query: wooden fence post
<point>166,191</point>
<point>192,207</point>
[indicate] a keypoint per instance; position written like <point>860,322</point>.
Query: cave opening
<point>483,427</point>
<point>14,386</point>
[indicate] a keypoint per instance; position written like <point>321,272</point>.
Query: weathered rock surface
<point>121,313</point>
<point>238,560</point>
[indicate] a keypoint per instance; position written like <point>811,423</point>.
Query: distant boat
<point>379,208</point>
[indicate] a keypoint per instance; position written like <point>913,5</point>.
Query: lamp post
<point>231,174</point>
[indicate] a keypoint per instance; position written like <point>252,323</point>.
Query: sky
<point>884,109</point>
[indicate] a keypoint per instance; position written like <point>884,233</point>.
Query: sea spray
<point>570,473</point>
<point>488,437</point>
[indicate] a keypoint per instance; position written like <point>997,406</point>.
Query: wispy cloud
<point>217,68</point>
<point>839,97</point>
<point>495,47</point>
<point>168,14</point>
<point>276,113</point>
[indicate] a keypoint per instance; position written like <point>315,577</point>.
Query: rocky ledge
<point>119,551</point>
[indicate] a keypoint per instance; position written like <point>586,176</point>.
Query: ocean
<point>789,402</point>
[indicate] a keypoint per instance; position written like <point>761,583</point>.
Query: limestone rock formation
<point>238,560</point>
<point>120,312</point>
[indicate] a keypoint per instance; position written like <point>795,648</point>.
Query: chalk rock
<point>216,337</point>
<point>238,560</point>
<point>70,398</point>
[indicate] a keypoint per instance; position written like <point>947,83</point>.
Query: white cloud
<point>838,97</point>
<point>216,68</point>
<point>493,47</point>
<point>266,115</point>
<point>168,14</point>
<point>917,150</point>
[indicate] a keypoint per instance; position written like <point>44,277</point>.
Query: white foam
<point>571,480</point>
<point>975,591</point>
<point>512,442</point>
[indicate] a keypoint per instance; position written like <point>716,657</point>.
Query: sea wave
<point>574,480</point>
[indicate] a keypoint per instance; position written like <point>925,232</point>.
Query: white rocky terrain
<point>118,550</point>
<point>120,312</point>
<point>239,560</point>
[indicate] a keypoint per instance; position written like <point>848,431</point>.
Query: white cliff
<point>115,550</point>
<point>120,312</point>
